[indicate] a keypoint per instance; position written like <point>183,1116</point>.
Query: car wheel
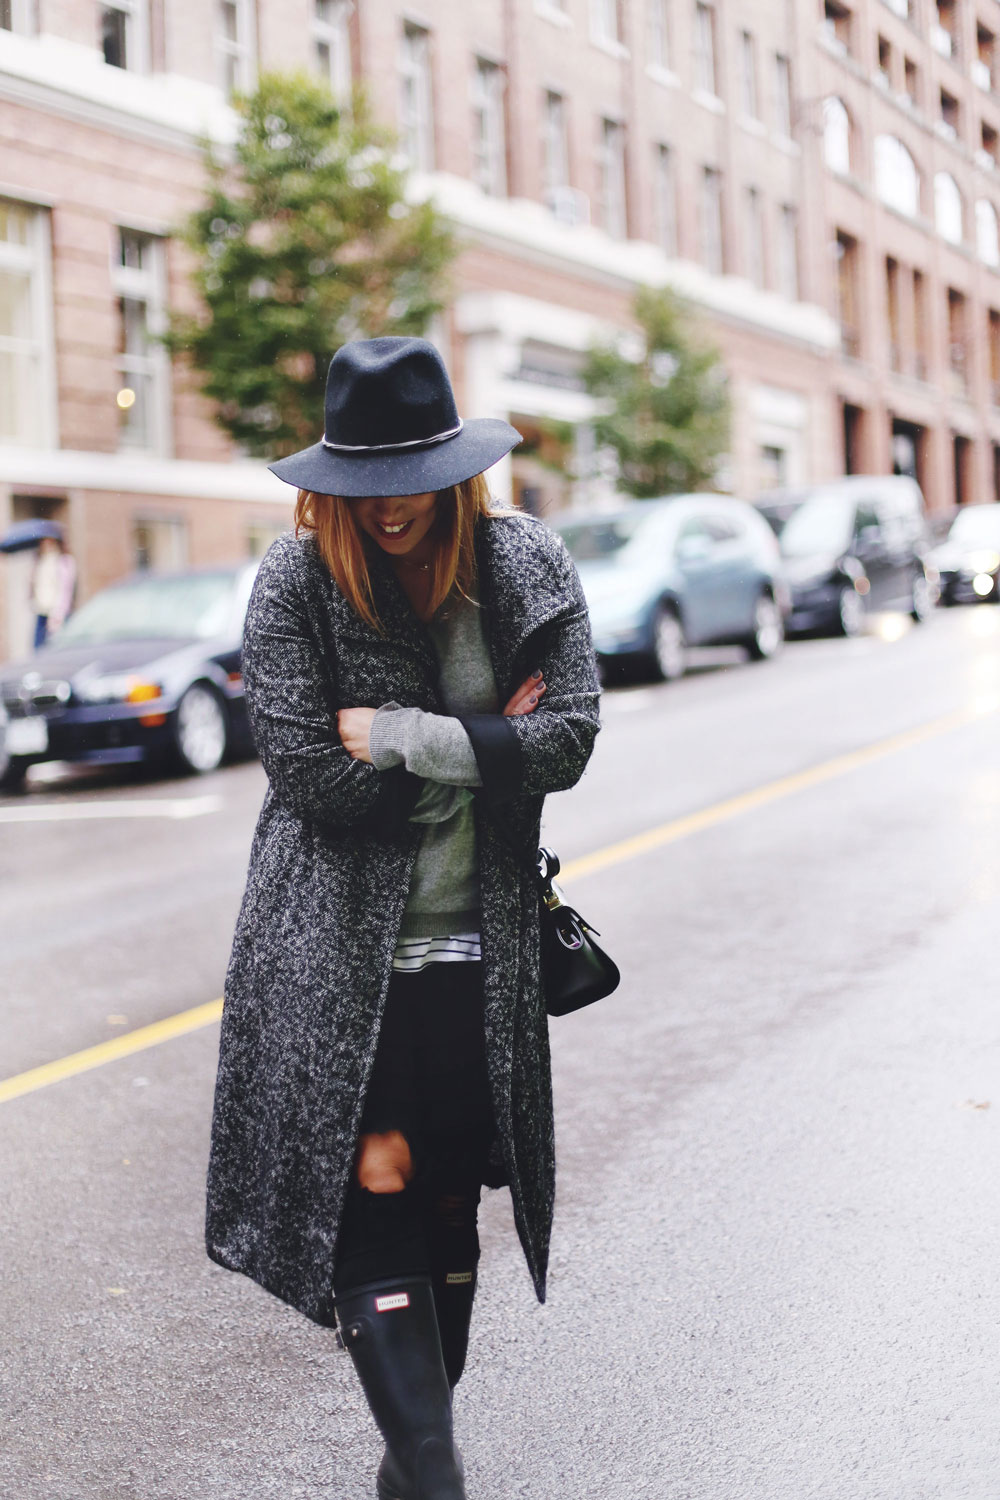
<point>201,730</point>
<point>850,611</point>
<point>669,646</point>
<point>922,599</point>
<point>768,629</point>
<point>13,772</point>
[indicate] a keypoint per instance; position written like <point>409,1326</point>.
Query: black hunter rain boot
<point>390,1330</point>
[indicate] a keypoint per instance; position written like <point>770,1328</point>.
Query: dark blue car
<point>691,570</point>
<point>147,669</point>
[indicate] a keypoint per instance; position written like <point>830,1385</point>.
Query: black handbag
<point>575,970</point>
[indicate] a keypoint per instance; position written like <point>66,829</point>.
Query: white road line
<point>64,812</point>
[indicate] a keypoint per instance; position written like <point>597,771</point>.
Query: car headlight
<point>119,687</point>
<point>983,562</point>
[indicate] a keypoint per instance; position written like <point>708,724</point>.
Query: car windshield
<point>977,527</point>
<point>616,539</point>
<point>178,606</point>
<point>819,525</point>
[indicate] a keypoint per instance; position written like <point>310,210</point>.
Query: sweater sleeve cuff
<point>386,746</point>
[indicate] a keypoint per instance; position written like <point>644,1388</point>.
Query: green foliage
<point>667,416</point>
<point>305,241</point>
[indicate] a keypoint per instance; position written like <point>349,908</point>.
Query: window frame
<point>335,35</point>
<point>241,53</point>
<point>147,285</point>
<point>612,154</point>
<point>711,179</point>
<point>749,90</point>
<point>35,258</point>
<point>137,42</point>
<point>488,90</point>
<point>418,68</point>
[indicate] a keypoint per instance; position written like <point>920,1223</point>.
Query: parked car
<point>148,668</point>
<point>968,560</point>
<point>690,570</point>
<point>851,546</point>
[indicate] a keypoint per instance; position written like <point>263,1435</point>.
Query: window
<point>754,216</point>
<point>948,215</point>
<point>993,341</point>
<point>788,252</point>
<point>160,542</point>
<point>704,48</point>
<point>659,33</point>
<point>848,298</point>
<point>712,254</point>
<point>415,104</point>
<point>987,240</point>
<point>666,199</point>
<point>837,25</point>
<point>783,96</point>
<point>25,357</point>
<point>897,182</point>
<point>332,45</point>
<point>605,21</point>
<point>836,136</point>
<point>234,43</point>
<point>124,41</point>
<point>884,71</point>
<point>489,148</point>
<point>18,15</point>
<point>139,278</point>
<point>611,178</point>
<point>944,31</point>
<point>920,329</point>
<point>911,82</point>
<point>991,155</point>
<point>957,338</point>
<point>748,75</point>
<point>260,535</point>
<point>555,142</point>
<point>981,67</point>
<point>948,122</point>
<point>892,312</point>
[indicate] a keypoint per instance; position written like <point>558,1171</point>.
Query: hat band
<point>439,437</point>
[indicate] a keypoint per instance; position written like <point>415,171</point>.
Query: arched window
<point>836,135</point>
<point>987,236</point>
<point>897,181</point>
<point>948,208</point>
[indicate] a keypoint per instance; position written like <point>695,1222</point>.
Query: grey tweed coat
<point>328,878</point>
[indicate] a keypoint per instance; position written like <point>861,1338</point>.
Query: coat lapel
<point>518,591</point>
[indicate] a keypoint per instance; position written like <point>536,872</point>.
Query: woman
<point>53,582</point>
<point>419,674</point>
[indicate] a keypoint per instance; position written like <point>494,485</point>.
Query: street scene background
<point>740,252</point>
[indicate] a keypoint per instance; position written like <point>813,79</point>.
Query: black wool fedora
<point>392,427</point>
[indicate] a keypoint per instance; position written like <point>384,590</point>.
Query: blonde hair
<point>457,510</point>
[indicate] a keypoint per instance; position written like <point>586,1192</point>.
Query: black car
<point>968,560</point>
<point>852,546</point>
<point>147,669</point>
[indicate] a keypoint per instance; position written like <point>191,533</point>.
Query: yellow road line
<point>771,791</point>
<point>589,864</point>
<point>115,1047</point>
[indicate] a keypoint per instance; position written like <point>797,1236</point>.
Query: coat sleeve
<point>548,749</point>
<point>291,699</point>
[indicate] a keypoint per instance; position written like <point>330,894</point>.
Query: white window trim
<point>606,158</point>
<point>488,85</point>
<point>137,50</point>
<point>611,41</point>
<point>336,35</point>
<point>558,138</point>
<point>150,287</point>
<point>548,11</point>
<point>244,49</point>
<point>423,76</point>
<point>23,20</point>
<point>36,259</point>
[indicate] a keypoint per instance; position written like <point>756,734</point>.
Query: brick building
<point>751,153</point>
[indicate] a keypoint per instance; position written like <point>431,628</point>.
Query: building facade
<point>785,164</point>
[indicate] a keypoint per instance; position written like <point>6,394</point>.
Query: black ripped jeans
<point>429,1081</point>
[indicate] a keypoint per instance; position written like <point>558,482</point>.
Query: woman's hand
<point>526,698</point>
<point>354,726</point>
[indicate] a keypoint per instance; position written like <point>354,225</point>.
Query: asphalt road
<point>774,1271</point>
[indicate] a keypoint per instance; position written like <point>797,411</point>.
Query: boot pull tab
<point>353,1333</point>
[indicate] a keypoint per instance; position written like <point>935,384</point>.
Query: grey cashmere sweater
<point>444,890</point>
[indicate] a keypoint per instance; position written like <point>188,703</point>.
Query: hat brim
<point>481,443</point>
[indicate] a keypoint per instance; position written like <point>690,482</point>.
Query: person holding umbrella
<point>53,581</point>
<point>419,674</point>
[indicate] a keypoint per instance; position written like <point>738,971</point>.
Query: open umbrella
<point>25,534</point>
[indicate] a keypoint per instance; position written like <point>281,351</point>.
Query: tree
<point>665,415</point>
<point>305,241</point>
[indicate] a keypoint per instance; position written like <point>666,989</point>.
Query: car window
<point>615,538</point>
<point>723,528</point>
<point>697,526</point>
<point>821,525</point>
<point>170,606</point>
<point>865,514</point>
